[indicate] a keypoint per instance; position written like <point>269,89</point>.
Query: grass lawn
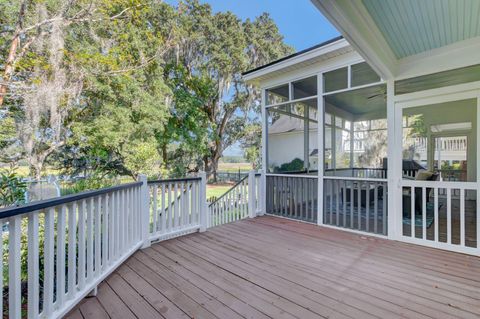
<point>234,167</point>
<point>217,190</point>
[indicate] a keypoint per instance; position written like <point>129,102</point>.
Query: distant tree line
<point>124,87</point>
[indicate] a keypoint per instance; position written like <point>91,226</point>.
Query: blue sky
<point>299,21</point>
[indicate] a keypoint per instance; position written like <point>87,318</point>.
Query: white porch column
<point>320,147</point>
<point>394,155</point>
<point>263,183</point>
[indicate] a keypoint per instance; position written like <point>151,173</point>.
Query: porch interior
<point>269,267</point>
<point>439,140</point>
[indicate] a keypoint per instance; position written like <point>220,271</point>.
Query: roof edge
<point>288,57</point>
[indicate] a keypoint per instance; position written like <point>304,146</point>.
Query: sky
<point>299,21</point>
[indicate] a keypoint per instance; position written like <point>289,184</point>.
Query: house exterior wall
<point>285,147</point>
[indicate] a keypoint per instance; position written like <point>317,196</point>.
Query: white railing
<point>60,249</point>
<point>361,172</point>
<point>454,143</point>
<point>239,202</point>
<point>175,207</point>
<point>64,247</point>
<point>441,214</point>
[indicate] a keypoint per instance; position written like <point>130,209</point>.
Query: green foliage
<point>145,87</point>
<point>12,189</point>
<point>295,165</point>
<point>94,181</point>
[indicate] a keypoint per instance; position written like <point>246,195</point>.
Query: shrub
<point>12,189</point>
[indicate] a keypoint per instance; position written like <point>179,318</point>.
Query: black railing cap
<point>52,202</point>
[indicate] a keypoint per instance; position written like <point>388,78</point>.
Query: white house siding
<point>285,147</point>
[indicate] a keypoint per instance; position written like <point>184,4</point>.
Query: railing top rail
<point>359,179</point>
<point>440,184</point>
<point>173,180</point>
<point>231,188</point>
<point>356,169</point>
<point>52,202</point>
<point>292,175</point>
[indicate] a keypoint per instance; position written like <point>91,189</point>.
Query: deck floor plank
<point>271,267</point>
<point>379,269</point>
<point>260,299</point>
<point>164,306</point>
<point>133,300</point>
<point>92,308</point>
<point>112,304</point>
<point>215,291</point>
<point>338,278</point>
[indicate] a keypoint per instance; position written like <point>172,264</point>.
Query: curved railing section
<point>57,251</point>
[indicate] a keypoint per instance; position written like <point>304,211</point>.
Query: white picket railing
<point>175,207</point>
<point>60,249</point>
<point>441,215</point>
<point>239,202</point>
<point>71,243</point>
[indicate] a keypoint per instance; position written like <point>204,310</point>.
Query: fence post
<point>251,194</point>
<point>203,202</point>
<point>263,192</point>
<point>145,211</point>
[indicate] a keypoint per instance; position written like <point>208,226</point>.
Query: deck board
<point>270,267</point>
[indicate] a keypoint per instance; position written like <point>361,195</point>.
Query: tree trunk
<point>36,168</point>
<point>165,155</point>
<point>7,74</point>
<point>12,53</point>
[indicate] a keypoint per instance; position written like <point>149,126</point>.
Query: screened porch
<point>327,148</point>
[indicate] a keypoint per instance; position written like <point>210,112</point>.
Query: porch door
<point>433,210</point>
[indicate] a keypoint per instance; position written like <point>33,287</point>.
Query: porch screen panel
<point>370,144</point>
<point>277,95</point>
<point>335,80</point>
<point>292,197</point>
<point>362,74</point>
<point>292,138</point>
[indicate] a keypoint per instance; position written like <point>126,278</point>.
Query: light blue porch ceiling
<point>415,26</point>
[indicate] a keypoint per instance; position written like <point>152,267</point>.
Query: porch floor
<point>271,267</point>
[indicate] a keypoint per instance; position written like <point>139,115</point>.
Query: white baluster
<point>33,265</point>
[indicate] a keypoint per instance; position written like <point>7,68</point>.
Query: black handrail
<point>52,202</point>
<point>224,194</point>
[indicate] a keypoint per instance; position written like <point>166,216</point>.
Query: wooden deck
<point>275,268</point>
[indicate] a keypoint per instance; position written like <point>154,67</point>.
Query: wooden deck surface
<point>270,267</point>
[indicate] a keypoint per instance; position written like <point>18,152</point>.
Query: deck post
<point>203,202</point>
<point>144,212</point>
<point>251,194</point>
<point>320,147</point>
<point>262,199</point>
<point>393,155</point>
